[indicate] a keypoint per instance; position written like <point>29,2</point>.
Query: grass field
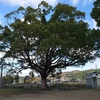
<point>10,92</point>
<point>82,94</point>
<point>17,91</point>
<point>76,92</point>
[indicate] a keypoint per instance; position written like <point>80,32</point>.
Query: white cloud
<point>85,2</point>
<point>92,24</point>
<point>27,2</point>
<point>1,54</point>
<point>74,2</point>
<point>25,72</point>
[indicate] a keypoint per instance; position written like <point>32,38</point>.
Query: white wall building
<point>93,80</point>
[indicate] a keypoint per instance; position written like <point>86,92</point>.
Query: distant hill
<point>79,74</point>
<point>69,75</point>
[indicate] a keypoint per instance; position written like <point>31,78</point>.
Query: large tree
<point>47,38</point>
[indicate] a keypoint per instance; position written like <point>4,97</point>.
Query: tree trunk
<point>44,85</point>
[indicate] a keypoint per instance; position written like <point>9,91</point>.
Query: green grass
<point>9,92</point>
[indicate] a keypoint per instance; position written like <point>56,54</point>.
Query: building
<point>93,80</point>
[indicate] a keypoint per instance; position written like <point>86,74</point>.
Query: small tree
<point>16,78</point>
<point>27,79</point>
<point>31,74</point>
<point>8,79</point>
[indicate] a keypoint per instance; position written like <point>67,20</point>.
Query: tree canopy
<point>47,38</point>
<point>95,14</point>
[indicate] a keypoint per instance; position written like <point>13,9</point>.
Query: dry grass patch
<point>10,92</point>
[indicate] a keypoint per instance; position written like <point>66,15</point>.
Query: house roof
<point>90,74</point>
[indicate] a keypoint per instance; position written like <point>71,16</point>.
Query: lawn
<point>83,94</point>
<point>74,93</point>
<point>10,92</point>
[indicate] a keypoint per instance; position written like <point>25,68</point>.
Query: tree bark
<point>44,85</point>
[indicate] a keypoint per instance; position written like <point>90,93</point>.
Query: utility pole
<point>96,66</point>
<point>1,72</point>
<point>1,77</point>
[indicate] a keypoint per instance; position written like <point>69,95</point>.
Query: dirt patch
<point>58,95</point>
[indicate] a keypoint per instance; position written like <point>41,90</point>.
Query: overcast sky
<point>86,6</point>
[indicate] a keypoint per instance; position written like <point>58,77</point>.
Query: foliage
<point>8,79</point>
<point>45,44</point>
<point>26,79</point>
<point>16,78</point>
<point>31,74</point>
<point>95,14</point>
<point>58,74</point>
